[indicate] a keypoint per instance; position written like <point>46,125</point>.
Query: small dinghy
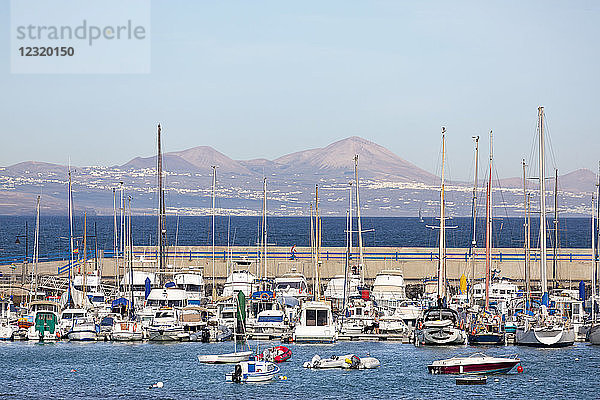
<point>228,358</point>
<point>253,371</point>
<point>349,361</point>
<point>471,380</point>
<point>276,354</point>
<point>477,363</point>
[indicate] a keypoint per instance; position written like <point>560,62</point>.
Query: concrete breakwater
<point>417,263</point>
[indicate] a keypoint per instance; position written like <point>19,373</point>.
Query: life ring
<point>264,296</point>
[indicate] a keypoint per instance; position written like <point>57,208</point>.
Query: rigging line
<point>548,136</point>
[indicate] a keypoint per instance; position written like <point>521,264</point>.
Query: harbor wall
<point>572,265</point>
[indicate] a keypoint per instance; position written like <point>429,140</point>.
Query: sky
<point>262,79</point>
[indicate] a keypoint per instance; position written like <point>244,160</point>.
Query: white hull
<point>229,358</point>
<point>446,335</point>
<point>545,337</point>
<point>125,336</point>
<point>81,336</point>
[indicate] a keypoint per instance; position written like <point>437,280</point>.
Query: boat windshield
<point>316,317</point>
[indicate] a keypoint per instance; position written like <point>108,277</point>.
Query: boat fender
<point>520,369</point>
<point>420,325</point>
<point>462,325</point>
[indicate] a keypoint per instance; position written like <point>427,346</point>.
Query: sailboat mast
<point>441,289</point>
<point>130,259</point>
<point>361,260</point>
<point>122,222</point>
<point>36,252</point>
<point>84,254</point>
<point>69,300</point>
<point>554,255</point>
<point>488,236</point>
<point>161,212</point>
<point>474,216</point>
<point>527,233</point>
<point>115,237</point>
<point>264,229</point>
<point>593,297</point>
<point>313,253</point>
<point>317,244</point>
<point>212,213</point>
<point>543,255</point>
<point>596,256</point>
<point>350,224</point>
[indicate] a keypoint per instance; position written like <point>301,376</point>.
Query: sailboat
<point>543,329</point>
<point>440,325</point>
<point>486,327</point>
<point>236,356</point>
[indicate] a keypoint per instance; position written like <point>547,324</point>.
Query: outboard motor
<point>237,374</point>
<point>205,336</point>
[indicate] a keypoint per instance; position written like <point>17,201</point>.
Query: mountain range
<point>390,185</point>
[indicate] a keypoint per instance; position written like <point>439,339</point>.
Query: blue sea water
<point>117,371</point>
<point>282,231</point>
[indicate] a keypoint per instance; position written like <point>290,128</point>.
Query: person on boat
<point>376,323</point>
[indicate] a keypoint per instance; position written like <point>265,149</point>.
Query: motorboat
<point>68,315</point>
<point>240,280</point>
<point>360,316</point>
<point>90,285</point>
<point>191,281</point>
<point>389,288</point>
<point>166,327</point>
<point>277,354</point>
<point>477,363</point>
<point>82,329</point>
<point>169,296</point>
<point>6,329</point>
<point>228,358</point>
<point>142,281</point>
<point>316,324</point>
<point>269,322</point>
<point>348,361</point>
<point>335,288</point>
<point>127,331</point>
<point>253,371</point>
<point>45,321</point>
<point>440,326</point>
<point>292,284</point>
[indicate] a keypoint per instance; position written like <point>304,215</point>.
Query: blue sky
<point>266,78</point>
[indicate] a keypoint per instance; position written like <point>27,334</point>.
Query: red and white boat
<point>276,354</point>
<point>477,363</point>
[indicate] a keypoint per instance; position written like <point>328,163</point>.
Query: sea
<point>106,370</point>
<point>54,232</point>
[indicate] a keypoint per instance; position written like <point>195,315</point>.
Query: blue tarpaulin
<point>121,301</point>
<point>147,288</point>
<point>170,284</point>
<point>582,290</point>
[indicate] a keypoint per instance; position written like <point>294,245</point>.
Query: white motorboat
<point>240,280</point>
<point>439,326</point>
<point>349,361</point>
<point>269,322</point>
<point>166,327</point>
<point>191,280</point>
<point>127,331</point>
<point>545,335</point>
<point>253,371</point>
<point>82,329</point>
<point>316,324</point>
<point>335,287</point>
<point>140,278</point>
<point>292,284</point>
<point>228,358</point>
<point>389,289</point>
<point>68,315</point>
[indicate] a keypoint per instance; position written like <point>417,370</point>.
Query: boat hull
<point>554,337</point>
<point>229,358</point>
<point>593,335</point>
<point>440,336</point>
<point>82,336</point>
<point>486,339</point>
<point>483,368</point>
